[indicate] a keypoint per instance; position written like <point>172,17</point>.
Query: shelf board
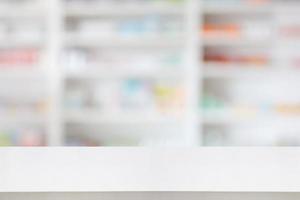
<point>210,119</point>
<point>32,12</point>
<point>15,43</point>
<point>237,9</point>
<point>99,117</point>
<point>17,119</point>
<point>244,9</point>
<point>114,74</point>
<point>214,71</point>
<point>153,42</point>
<point>236,42</point>
<point>117,11</point>
<point>21,73</point>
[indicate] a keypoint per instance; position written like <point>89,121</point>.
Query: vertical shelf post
<point>55,24</point>
<point>192,72</point>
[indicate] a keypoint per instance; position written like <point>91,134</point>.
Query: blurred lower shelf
<point>17,119</point>
<point>210,119</point>
<point>246,71</point>
<point>96,117</point>
<point>21,73</point>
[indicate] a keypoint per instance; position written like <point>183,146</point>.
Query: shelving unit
<point>139,58</point>
<point>250,88</point>
<point>152,73</point>
<point>23,93</point>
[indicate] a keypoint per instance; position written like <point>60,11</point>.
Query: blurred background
<point>149,73</point>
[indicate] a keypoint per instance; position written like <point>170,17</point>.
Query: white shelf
<point>145,169</point>
<point>237,42</point>
<point>229,118</point>
<point>21,74</point>
<point>113,74</point>
<point>99,117</point>
<point>15,43</point>
<point>21,119</point>
<point>237,9</point>
<point>33,12</point>
<point>244,9</point>
<point>116,11</point>
<point>72,41</point>
<point>213,71</point>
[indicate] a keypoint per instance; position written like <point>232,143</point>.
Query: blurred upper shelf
<point>243,9</point>
<point>236,9</point>
<point>108,74</point>
<point>75,41</point>
<point>115,11</point>
<point>33,12</point>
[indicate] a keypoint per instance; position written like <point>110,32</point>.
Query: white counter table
<point>146,169</point>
